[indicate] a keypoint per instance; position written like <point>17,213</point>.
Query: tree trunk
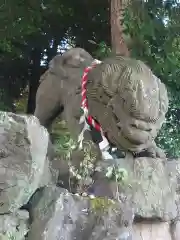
<point>118,44</point>
<point>34,80</point>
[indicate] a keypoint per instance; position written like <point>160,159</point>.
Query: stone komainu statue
<point>123,95</point>
<point>129,101</point>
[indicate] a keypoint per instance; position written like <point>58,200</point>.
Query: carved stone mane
<point>129,97</point>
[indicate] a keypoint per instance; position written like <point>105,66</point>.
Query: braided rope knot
<point>88,120</point>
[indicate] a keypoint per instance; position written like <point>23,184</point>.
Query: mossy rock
<point>101,204</point>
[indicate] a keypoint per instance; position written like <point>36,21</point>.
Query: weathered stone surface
<point>152,231</point>
<point>146,206</point>
<point>151,186</point>
<point>14,226</point>
<point>23,160</point>
<point>175,230</point>
<point>58,214</point>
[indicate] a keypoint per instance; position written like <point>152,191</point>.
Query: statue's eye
<point>147,130</point>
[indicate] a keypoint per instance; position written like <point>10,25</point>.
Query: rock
<point>175,230</point>
<point>14,226</point>
<point>151,186</point>
<point>24,165</point>
<point>58,214</point>
<point>152,231</point>
<point>146,205</point>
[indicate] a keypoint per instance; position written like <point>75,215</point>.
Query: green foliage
<point>63,142</point>
<point>102,50</point>
<point>65,145</point>
<point>153,41</point>
<point>100,204</point>
<point>3,104</point>
<point>169,136</point>
<point>3,107</point>
<point>32,30</point>
<point>117,174</point>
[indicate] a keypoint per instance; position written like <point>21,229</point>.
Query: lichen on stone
<point>101,204</point>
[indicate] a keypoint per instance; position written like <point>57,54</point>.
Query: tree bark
<point>119,46</point>
<point>34,80</point>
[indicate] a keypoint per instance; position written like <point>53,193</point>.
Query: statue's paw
<point>153,152</point>
<point>156,152</point>
<point>160,153</point>
<point>145,153</point>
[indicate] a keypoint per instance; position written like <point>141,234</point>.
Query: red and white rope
<point>86,118</point>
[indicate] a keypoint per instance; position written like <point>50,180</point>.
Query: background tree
<point>118,43</point>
